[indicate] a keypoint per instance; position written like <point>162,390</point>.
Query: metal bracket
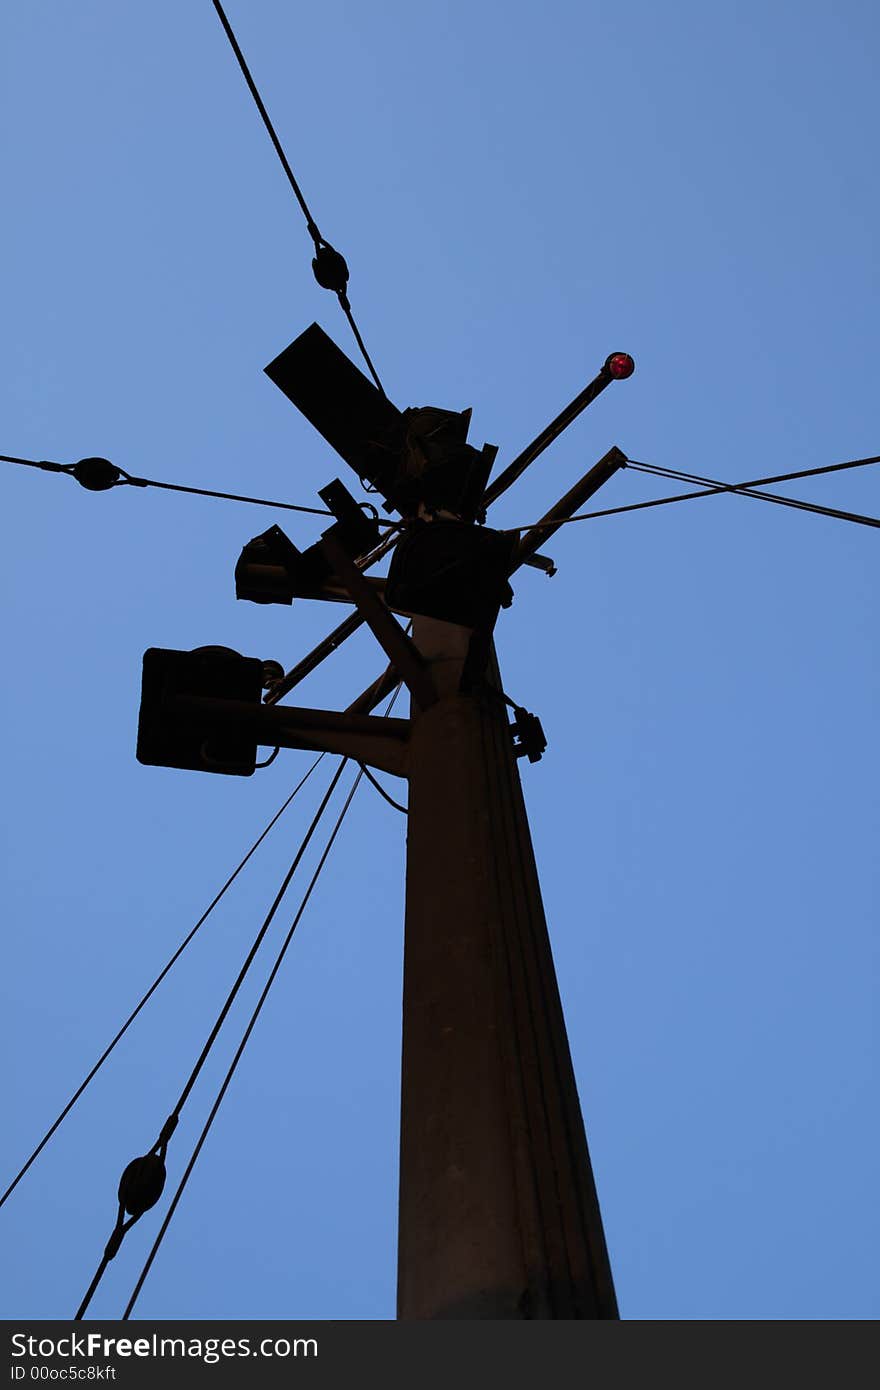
<point>373,739</point>
<point>529,739</point>
<point>400,649</point>
<point>568,505</point>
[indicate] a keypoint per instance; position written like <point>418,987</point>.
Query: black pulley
<point>140,1186</point>
<point>330,269</point>
<point>96,474</point>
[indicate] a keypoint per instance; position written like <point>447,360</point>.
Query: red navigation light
<point>620,365</point>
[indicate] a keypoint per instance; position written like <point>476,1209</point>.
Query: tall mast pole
<point>499,1216</point>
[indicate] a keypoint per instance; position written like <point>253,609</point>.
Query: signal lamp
<point>619,365</point>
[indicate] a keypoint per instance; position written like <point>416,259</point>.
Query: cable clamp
<point>111,1249</point>
<point>529,739</point>
<point>165,1134</point>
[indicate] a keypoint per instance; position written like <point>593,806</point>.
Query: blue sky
<point>518,190</point>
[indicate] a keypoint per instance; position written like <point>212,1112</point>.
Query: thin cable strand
<point>249,958</point>
<point>249,1029</point>
<point>238,497</point>
<point>224,496</point>
<point>128,479</point>
<point>238,1054</point>
<point>90,1291</point>
<point>746,490</point>
<point>358,337</point>
<point>35,463</point>
<point>155,985</point>
<point>374,782</point>
<point>171,1122</point>
<point>311,225</point>
<point>705,492</point>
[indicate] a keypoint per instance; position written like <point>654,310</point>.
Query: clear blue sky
<point>519,190</point>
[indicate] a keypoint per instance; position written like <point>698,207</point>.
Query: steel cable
<point>171,1121</point>
<point>154,986</point>
<point>250,1025</point>
<point>715,491</point>
<point>338,286</point>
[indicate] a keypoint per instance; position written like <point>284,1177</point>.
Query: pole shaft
<point>498,1211</point>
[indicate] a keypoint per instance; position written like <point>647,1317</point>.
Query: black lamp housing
<point>168,739</point>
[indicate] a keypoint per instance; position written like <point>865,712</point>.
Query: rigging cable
<point>714,491</point>
<point>748,490</point>
<point>330,269</point>
<point>267,762</point>
<point>155,1158</point>
<point>154,986</point>
<point>374,781</point>
<point>240,1049</point>
<point>121,479</point>
<point>248,1030</point>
